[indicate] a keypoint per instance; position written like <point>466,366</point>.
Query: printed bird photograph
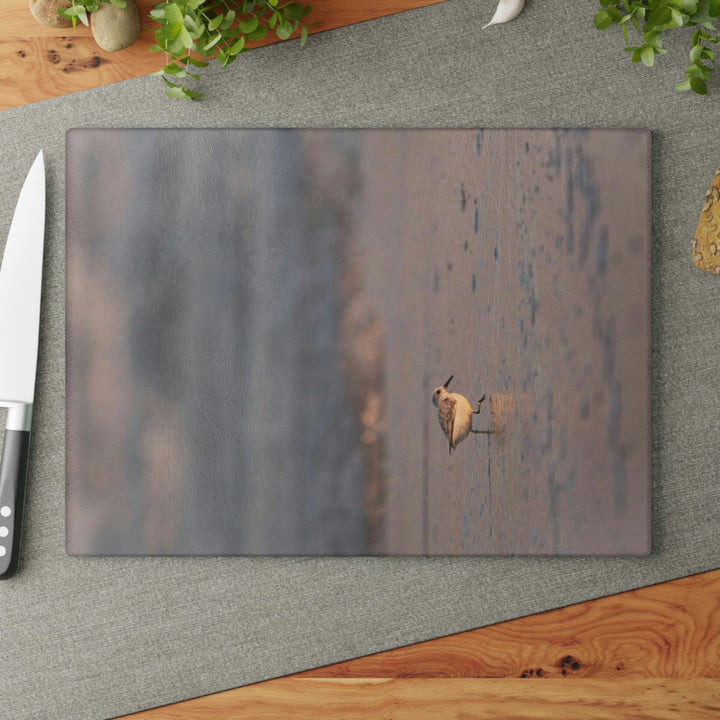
<point>455,414</point>
<point>389,342</point>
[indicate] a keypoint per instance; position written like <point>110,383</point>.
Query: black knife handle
<point>13,469</point>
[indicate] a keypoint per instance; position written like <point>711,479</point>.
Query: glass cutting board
<point>257,321</point>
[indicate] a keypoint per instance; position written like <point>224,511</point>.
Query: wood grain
<point>648,654</point>
<point>670,630</point>
<point>456,699</point>
<point>39,62</point>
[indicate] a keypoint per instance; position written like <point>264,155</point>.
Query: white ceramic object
<point>506,11</point>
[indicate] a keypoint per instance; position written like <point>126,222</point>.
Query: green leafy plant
<point>651,18</point>
<point>194,32</point>
<point>79,9</point>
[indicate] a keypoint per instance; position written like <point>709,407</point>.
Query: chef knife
<point>20,281</point>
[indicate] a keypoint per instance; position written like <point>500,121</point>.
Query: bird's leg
<point>480,402</point>
<point>477,412</point>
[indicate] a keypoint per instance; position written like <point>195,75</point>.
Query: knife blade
<point>20,284</point>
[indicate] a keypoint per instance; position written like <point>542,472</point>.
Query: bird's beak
<point>447,382</point>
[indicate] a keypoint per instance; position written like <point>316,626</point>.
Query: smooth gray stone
<point>94,638</point>
<point>115,28</point>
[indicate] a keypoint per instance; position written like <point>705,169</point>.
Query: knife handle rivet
<point>5,511</point>
<point>3,531</point>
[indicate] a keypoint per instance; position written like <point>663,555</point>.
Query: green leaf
<point>284,30</point>
<point>602,20</point>
<point>614,13</point>
<point>273,20</point>
<point>186,39</point>
<point>249,25</point>
<point>191,25</point>
<point>714,8</point>
<point>167,35</point>
<point>294,11</point>
<point>214,23</point>
<point>654,39</point>
<point>212,43</point>
<point>182,93</point>
<point>175,92</point>
<point>647,55</point>
<point>696,52</point>
<point>303,35</point>
<point>76,12</point>
<point>257,34</point>
<point>173,14</point>
<point>177,46</point>
<point>205,53</point>
<point>197,63</point>
<point>174,70</point>
<point>119,3</point>
<point>662,15</point>
<point>676,19</point>
<point>689,7</point>
<point>697,85</point>
<point>237,47</point>
<point>228,21</point>
<point>684,85</point>
<point>697,72</point>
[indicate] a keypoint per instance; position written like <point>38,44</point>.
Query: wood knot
<point>568,663</point>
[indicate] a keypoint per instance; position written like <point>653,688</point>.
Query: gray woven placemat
<point>93,638</point>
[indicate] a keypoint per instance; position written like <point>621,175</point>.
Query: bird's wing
<point>446,416</point>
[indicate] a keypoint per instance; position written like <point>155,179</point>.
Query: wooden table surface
<point>39,62</point>
<point>651,653</point>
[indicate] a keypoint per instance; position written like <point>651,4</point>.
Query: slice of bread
<point>706,243</point>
